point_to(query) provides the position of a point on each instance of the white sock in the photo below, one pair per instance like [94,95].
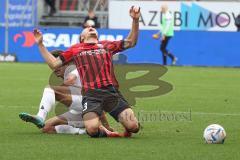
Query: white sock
[67,129]
[47,103]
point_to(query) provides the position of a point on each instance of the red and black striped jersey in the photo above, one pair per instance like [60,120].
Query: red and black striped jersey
[94,63]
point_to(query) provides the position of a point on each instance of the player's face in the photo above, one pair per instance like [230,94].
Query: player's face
[60,71]
[89,32]
[164,8]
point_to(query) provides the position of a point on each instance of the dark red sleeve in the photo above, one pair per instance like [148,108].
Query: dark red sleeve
[114,46]
[67,56]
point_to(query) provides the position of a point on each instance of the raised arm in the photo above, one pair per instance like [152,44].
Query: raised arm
[52,62]
[131,40]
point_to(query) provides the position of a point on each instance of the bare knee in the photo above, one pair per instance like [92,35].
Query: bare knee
[129,121]
[133,127]
[92,123]
[48,129]
[92,130]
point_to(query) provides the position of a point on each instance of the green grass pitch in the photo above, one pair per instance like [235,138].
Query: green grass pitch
[211,94]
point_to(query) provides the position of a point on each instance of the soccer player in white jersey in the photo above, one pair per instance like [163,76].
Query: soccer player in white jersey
[68,94]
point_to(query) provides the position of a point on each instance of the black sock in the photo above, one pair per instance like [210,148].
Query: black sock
[102,133]
[171,56]
[98,134]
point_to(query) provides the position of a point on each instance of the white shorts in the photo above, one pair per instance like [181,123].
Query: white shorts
[74,115]
[76,103]
[73,118]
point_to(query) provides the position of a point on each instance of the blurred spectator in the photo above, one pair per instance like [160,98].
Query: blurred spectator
[166,32]
[91,20]
[51,4]
[237,23]
[69,5]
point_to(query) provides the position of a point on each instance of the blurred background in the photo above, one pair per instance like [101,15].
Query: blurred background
[206,31]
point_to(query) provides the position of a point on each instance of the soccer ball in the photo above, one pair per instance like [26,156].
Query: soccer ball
[214,134]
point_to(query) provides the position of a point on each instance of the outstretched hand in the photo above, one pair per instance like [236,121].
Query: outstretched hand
[38,36]
[135,12]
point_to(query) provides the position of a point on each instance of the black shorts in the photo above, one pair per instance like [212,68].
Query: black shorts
[108,99]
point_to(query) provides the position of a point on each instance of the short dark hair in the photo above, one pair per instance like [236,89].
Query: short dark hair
[56,53]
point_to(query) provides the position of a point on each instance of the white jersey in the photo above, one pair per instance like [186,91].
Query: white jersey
[75,89]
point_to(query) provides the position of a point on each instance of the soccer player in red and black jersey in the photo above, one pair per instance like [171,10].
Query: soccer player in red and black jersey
[93,60]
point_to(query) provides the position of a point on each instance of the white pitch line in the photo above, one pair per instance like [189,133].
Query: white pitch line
[217,114]
[3,106]
[202,113]
[193,113]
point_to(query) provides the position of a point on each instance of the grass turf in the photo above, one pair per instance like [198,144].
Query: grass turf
[211,94]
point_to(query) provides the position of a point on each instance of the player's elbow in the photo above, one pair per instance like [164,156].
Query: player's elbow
[54,65]
[130,43]
[134,43]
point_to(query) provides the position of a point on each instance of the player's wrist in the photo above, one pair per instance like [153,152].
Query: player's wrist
[136,20]
[105,124]
[40,44]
